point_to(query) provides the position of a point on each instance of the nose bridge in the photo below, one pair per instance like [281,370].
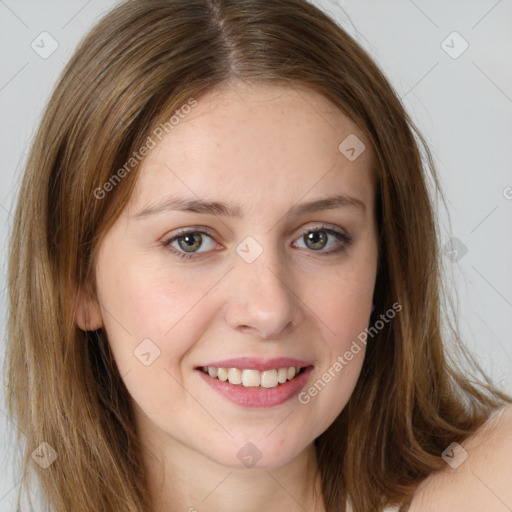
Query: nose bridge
[260,297]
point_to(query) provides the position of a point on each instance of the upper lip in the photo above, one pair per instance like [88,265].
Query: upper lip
[254,363]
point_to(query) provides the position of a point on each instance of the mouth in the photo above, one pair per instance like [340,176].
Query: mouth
[250,382]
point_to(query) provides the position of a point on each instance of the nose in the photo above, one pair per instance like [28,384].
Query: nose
[261,299]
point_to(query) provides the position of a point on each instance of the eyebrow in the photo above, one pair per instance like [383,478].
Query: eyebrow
[220,208]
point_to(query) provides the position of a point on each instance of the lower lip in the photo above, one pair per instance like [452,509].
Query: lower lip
[258,396]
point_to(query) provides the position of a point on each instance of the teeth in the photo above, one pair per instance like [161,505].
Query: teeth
[253,378]
[269,379]
[235,376]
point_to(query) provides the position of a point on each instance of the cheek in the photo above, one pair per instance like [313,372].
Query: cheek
[141,304]
[344,315]
[152,322]
[343,304]
[342,301]
[330,391]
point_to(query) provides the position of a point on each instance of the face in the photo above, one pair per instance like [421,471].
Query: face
[264,279]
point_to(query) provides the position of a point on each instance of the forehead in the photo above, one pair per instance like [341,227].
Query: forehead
[257,142]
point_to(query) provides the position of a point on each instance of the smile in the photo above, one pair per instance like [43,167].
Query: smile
[251,378]
[249,387]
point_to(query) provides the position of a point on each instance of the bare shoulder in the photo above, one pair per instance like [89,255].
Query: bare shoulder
[478,475]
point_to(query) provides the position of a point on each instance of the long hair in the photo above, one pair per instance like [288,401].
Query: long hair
[140,63]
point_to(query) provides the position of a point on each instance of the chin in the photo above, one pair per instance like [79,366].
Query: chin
[255,455]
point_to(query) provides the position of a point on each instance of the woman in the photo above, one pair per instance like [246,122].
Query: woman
[224,279]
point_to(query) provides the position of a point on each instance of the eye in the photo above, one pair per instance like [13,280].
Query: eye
[317,239]
[187,243]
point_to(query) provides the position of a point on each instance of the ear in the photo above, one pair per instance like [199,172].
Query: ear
[87,311]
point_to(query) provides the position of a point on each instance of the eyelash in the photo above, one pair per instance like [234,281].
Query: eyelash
[343,237]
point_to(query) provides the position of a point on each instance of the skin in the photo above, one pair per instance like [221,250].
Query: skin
[483,481]
[266,148]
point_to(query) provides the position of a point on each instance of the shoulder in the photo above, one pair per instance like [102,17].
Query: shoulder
[478,475]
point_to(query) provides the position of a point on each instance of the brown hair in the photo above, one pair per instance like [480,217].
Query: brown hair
[137,65]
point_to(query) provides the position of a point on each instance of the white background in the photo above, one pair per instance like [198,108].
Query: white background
[462,105]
